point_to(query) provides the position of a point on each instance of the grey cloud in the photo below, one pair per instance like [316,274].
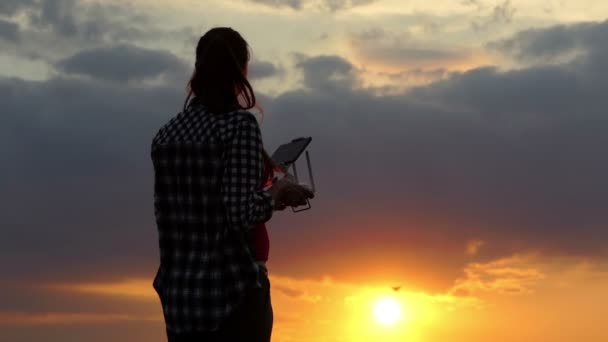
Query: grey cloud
[57,14]
[329,5]
[54,28]
[326,72]
[123,63]
[337,5]
[262,69]
[295,4]
[9,30]
[75,180]
[504,13]
[501,14]
[549,43]
[515,159]
[10,7]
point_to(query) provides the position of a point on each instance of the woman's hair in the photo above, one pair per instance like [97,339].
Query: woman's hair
[219,75]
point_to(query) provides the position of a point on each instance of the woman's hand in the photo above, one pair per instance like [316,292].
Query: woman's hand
[286,192]
[296,195]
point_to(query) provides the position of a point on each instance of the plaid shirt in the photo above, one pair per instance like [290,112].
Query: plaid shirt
[208,175]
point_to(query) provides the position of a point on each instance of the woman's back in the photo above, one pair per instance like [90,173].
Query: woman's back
[204,162]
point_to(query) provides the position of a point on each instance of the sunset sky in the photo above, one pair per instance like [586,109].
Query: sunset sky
[459,150]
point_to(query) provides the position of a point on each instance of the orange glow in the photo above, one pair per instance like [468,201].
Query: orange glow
[134,288]
[54,318]
[489,299]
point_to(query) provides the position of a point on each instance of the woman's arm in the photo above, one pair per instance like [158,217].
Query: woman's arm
[246,203]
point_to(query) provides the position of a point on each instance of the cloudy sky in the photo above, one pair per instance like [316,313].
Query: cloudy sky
[458,147]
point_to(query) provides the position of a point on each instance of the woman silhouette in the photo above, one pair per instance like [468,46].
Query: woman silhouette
[210,172]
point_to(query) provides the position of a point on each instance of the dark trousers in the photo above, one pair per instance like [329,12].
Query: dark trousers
[250,322]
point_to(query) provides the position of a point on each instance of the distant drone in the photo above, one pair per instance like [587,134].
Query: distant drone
[396,288]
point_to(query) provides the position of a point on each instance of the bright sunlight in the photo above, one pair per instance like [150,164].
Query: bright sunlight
[387,311]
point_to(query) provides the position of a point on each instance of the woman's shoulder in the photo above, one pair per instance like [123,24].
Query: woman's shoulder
[241,116]
[168,128]
[239,120]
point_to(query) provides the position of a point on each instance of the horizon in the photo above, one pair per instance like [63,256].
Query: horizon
[458,151]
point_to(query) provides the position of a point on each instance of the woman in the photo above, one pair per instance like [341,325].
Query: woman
[210,204]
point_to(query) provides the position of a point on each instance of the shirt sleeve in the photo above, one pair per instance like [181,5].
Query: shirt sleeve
[246,203]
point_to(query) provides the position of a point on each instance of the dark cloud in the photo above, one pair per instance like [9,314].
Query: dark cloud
[504,12]
[76,179]
[326,72]
[548,124]
[123,63]
[54,29]
[330,5]
[58,15]
[9,30]
[55,15]
[550,43]
[295,4]
[515,159]
[10,7]
[262,69]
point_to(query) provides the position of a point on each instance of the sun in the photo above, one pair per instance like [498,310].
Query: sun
[387,311]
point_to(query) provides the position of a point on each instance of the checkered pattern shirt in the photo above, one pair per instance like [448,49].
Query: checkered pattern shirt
[208,170]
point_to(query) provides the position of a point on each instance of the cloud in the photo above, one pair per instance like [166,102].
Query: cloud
[295,4]
[9,30]
[50,318]
[337,5]
[11,7]
[300,290]
[129,289]
[94,153]
[123,63]
[57,15]
[548,44]
[326,72]
[51,30]
[289,292]
[399,82]
[514,275]
[501,14]
[380,48]
[328,5]
[473,247]
[37,304]
[262,69]
[511,158]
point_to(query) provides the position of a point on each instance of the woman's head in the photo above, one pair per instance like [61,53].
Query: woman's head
[220,74]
